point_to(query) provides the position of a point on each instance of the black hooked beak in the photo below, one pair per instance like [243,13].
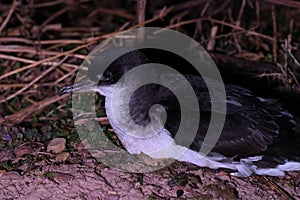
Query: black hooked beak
[84,85]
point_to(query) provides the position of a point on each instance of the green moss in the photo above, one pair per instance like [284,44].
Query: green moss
[49,175]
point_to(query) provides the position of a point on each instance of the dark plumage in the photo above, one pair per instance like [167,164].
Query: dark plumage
[253,126]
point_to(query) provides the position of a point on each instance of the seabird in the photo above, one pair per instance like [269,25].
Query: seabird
[259,136]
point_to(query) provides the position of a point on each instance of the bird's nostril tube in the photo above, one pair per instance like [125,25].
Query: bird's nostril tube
[65,90]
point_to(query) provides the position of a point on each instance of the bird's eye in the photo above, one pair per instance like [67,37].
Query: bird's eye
[107,74]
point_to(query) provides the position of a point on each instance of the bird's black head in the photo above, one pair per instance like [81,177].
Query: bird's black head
[117,68]
[104,70]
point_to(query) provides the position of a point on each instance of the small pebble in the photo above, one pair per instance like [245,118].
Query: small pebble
[179,193]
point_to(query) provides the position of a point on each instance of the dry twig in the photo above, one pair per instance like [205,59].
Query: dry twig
[12,9]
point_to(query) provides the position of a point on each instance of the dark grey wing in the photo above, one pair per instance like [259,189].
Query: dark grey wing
[251,123]
[140,103]
[249,127]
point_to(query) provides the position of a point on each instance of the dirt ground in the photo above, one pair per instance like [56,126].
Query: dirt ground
[92,181]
